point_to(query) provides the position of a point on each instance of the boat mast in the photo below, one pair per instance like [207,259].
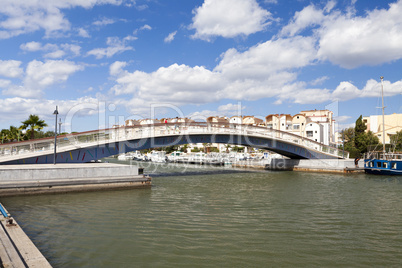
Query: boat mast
[383,121]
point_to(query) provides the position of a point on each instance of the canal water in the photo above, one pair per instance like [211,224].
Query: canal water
[215,217]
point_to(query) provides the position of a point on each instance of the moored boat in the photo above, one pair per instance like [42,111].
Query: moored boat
[383,163]
[379,163]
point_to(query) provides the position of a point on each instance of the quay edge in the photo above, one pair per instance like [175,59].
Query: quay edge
[62,178]
[16,249]
[307,165]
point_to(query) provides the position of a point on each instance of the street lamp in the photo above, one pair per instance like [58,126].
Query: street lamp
[56,112]
[60,126]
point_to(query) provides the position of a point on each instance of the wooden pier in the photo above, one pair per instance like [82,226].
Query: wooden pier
[16,249]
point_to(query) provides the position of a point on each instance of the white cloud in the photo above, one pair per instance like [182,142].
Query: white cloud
[16,109]
[115,46]
[176,84]
[4,83]
[146,27]
[268,57]
[348,40]
[116,68]
[52,50]
[103,22]
[83,33]
[20,16]
[170,37]
[319,80]
[40,75]
[354,41]
[229,109]
[31,46]
[10,68]
[309,16]
[228,18]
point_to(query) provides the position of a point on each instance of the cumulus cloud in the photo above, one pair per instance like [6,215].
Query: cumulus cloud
[53,51]
[16,109]
[10,68]
[20,16]
[268,57]
[370,40]
[43,74]
[176,84]
[103,22]
[170,37]
[116,68]
[348,40]
[83,33]
[309,16]
[228,18]
[115,46]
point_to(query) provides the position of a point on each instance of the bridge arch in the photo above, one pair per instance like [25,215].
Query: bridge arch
[79,148]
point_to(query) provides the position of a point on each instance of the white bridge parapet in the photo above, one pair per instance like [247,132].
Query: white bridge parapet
[69,142]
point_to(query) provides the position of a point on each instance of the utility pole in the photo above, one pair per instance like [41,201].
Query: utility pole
[56,112]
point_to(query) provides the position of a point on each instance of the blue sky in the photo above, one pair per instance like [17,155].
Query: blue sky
[104,61]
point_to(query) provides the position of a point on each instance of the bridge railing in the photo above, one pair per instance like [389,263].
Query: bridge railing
[123,134]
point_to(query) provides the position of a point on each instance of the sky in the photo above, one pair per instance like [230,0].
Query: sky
[104,61]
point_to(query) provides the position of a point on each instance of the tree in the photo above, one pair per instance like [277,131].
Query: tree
[397,140]
[33,123]
[4,135]
[357,140]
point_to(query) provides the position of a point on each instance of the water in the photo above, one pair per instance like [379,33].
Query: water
[240,219]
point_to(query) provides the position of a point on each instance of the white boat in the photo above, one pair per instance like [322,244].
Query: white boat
[157,156]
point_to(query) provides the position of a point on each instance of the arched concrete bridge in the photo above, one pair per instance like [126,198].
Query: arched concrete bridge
[93,145]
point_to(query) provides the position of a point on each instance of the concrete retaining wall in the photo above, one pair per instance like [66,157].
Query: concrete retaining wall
[322,165]
[20,173]
[62,178]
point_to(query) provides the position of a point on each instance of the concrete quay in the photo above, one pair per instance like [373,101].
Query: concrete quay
[309,165]
[62,178]
[16,249]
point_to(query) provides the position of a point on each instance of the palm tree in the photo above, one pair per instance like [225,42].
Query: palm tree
[13,134]
[33,122]
[4,135]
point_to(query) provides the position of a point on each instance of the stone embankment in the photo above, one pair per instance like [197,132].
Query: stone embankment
[61,178]
[311,165]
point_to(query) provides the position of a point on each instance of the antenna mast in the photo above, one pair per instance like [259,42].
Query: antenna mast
[383,121]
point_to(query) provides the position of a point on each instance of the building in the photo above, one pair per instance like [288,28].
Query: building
[317,125]
[393,124]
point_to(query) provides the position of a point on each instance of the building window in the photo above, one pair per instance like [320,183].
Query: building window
[309,134]
[269,125]
[316,131]
[315,139]
[311,125]
[296,127]
[283,124]
[297,117]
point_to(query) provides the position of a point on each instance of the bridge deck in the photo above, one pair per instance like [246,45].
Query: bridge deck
[92,145]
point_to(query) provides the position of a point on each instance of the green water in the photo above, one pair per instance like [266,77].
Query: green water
[252,219]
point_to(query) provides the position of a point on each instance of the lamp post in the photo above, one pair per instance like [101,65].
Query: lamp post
[56,112]
[60,126]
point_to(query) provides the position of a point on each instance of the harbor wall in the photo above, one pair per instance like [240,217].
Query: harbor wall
[48,178]
[314,165]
